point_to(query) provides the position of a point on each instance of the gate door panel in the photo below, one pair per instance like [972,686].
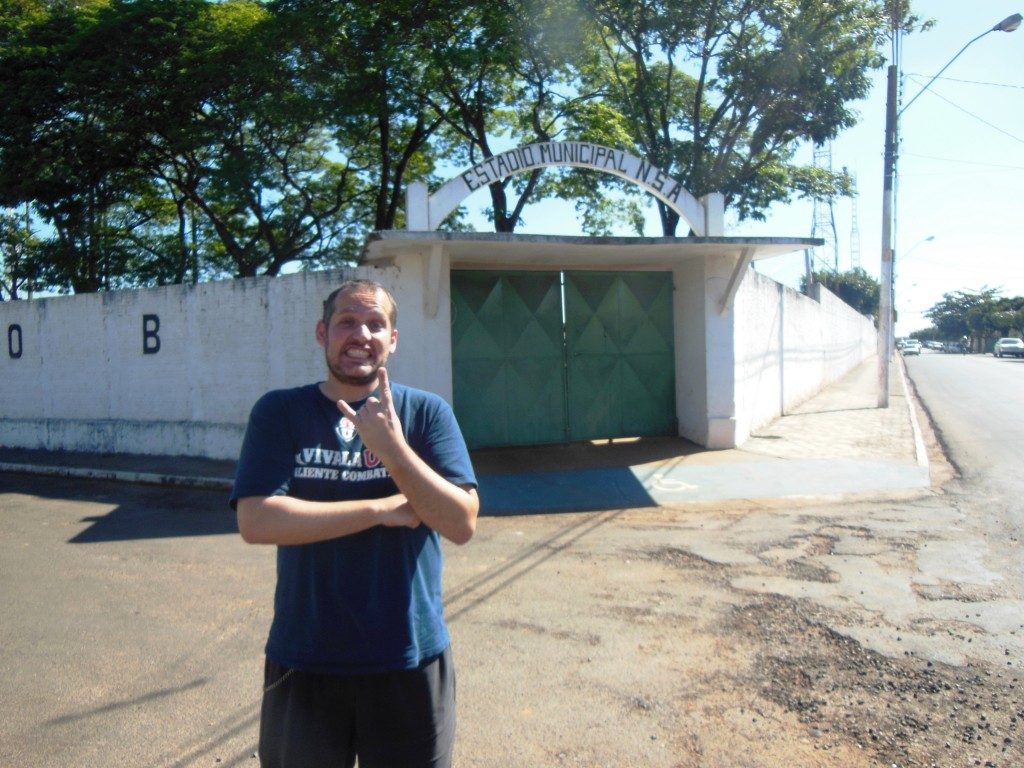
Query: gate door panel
[619,344]
[508,358]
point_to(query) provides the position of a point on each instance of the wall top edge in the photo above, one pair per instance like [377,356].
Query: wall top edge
[521,249]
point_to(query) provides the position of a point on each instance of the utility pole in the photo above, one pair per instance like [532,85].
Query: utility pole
[885,283]
[892,115]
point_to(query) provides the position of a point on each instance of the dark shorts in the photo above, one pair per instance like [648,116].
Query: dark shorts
[400,719]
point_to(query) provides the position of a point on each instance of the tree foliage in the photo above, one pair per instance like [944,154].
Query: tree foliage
[856,287]
[981,316]
[160,142]
[718,93]
[19,256]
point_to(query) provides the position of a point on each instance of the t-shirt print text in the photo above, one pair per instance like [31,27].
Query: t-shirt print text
[326,464]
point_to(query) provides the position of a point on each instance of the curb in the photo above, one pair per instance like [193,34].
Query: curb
[141,478]
[919,447]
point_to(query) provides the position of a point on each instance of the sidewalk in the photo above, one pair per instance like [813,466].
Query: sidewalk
[838,442]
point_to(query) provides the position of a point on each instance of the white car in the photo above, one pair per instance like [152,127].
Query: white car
[911,347]
[1012,347]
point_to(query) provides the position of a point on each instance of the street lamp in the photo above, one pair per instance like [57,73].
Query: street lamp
[910,250]
[906,256]
[922,241]
[892,115]
[1009,24]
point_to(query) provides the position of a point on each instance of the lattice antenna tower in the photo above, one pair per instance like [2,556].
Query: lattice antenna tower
[824,223]
[854,226]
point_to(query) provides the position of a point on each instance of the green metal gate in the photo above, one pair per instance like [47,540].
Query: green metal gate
[620,354]
[523,376]
[508,358]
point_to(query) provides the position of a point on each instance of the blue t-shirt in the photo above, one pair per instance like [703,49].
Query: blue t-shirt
[369,602]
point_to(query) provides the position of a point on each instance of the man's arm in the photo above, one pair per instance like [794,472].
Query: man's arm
[449,509]
[288,520]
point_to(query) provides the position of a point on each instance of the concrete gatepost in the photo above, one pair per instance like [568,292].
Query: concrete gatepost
[424,338]
[720,340]
[714,214]
[417,207]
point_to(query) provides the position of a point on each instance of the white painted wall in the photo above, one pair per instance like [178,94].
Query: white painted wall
[790,346]
[83,382]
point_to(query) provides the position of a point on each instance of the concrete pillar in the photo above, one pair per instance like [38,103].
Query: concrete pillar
[417,207]
[424,355]
[714,214]
[720,335]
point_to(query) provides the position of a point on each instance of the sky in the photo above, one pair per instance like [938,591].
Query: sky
[960,185]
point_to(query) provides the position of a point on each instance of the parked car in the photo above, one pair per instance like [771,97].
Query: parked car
[911,347]
[1007,346]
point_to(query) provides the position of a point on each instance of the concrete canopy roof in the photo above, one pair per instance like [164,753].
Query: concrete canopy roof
[504,250]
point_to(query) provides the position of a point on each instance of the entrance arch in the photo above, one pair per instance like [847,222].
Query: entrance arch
[426,212]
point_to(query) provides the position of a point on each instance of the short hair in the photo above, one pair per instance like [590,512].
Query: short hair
[361,283]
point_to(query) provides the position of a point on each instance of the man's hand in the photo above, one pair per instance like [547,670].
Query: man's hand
[399,515]
[377,422]
[449,509]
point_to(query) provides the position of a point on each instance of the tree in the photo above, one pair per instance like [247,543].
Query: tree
[855,286]
[165,142]
[19,248]
[981,316]
[926,334]
[371,68]
[63,143]
[951,316]
[992,319]
[718,93]
[240,150]
[512,80]
[168,141]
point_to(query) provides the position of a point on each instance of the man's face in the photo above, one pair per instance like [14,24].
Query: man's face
[358,338]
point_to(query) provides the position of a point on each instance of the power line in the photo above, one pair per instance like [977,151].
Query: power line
[968,82]
[965,162]
[976,117]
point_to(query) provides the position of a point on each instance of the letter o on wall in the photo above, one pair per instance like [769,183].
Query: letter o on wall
[14,347]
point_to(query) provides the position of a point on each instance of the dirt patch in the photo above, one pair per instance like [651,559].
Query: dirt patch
[681,558]
[634,644]
[948,590]
[907,712]
[805,570]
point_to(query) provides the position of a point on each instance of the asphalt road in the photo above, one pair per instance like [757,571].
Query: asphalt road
[133,626]
[825,635]
[976,403]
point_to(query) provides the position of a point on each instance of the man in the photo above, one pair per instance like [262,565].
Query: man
[354,478]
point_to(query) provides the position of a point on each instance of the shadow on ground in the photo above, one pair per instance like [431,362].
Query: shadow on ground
[137,511]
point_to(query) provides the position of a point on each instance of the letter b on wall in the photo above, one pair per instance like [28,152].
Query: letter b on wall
[150,338]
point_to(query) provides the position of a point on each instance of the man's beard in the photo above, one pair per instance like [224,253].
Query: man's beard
[352,381]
